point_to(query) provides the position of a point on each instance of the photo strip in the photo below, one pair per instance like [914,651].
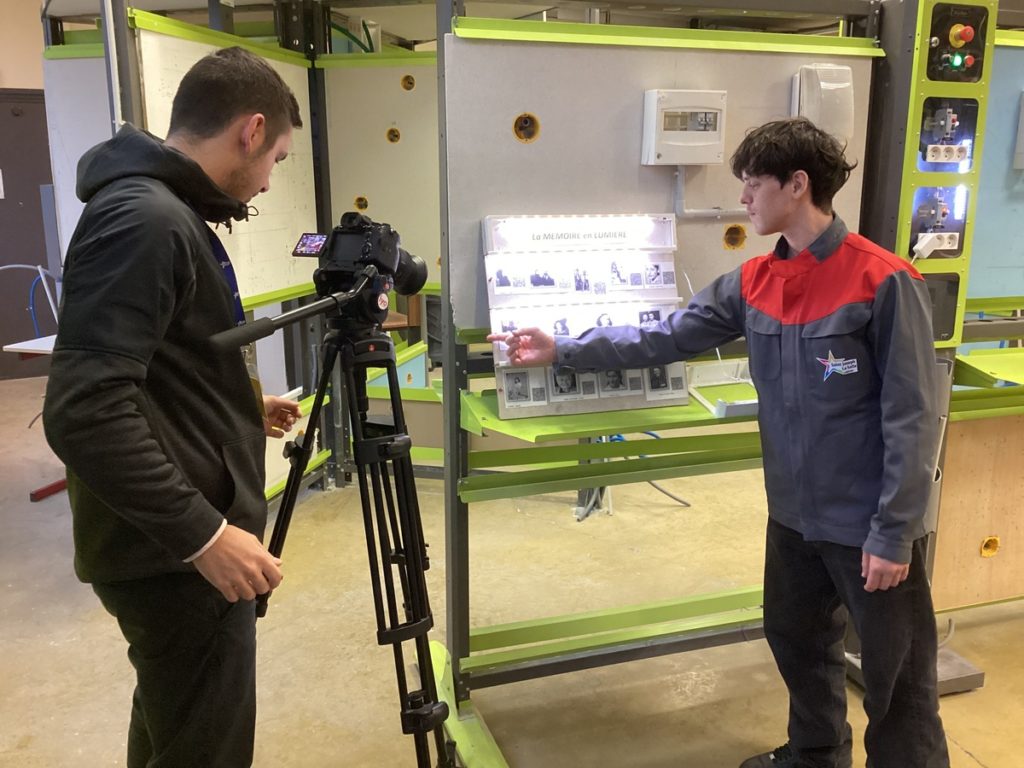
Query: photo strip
[665,382]
[522,387]
[579,276]
[619,382]
[569,385]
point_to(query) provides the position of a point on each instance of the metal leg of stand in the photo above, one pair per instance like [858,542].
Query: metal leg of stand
[395,545]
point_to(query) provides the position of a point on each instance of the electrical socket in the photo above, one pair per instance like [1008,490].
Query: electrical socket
[945,153]
[936,241]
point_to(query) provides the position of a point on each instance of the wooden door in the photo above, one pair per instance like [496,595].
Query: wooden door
[24,167]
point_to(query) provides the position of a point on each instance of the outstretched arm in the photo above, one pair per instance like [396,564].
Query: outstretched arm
[527,346]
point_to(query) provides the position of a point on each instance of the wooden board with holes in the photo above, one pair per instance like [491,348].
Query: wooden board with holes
[980,509]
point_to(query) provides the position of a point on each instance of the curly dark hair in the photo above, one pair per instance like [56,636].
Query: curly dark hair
[228,83]
[782,147]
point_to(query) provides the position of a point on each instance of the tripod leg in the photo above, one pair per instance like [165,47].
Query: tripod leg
[301,449]
[395,542]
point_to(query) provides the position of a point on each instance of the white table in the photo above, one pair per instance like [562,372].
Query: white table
[32,347]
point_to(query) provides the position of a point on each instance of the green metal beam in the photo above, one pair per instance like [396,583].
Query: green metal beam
[592,622]
[507,485]
[662,37]
[993,304]
[174,28]
[708,445]
[492,662]
[277,296]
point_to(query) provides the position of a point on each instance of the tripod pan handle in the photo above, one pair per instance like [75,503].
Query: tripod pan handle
[233,338]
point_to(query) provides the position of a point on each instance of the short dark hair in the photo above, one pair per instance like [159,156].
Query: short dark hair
[782,147]
[226,84]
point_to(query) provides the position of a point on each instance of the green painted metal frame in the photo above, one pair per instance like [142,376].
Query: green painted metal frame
[370,60]
[314,463]
[75,51]
[498,660]
[996,304]
[474,743]
[277,296]
[480,415]
[913,179]
[971,404]
[661,37]
[698,445]
[180,29]
[595,622]
[1011,37]
[550,464]
[990,367]
[570,478]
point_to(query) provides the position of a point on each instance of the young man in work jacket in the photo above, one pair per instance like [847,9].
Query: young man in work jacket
[840,344]
[161,434]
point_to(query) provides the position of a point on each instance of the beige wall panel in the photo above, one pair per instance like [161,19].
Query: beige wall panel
[982,494]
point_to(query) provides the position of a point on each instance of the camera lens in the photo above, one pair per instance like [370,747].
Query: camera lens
[410,274]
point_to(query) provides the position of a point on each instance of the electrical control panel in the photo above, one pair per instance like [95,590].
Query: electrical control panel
[939,222]
[950,77]
[948,128]
[683,127]
[957,43]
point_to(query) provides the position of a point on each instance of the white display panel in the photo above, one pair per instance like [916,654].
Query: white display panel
[583,272]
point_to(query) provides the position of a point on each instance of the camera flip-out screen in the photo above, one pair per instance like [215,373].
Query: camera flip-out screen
[310,244]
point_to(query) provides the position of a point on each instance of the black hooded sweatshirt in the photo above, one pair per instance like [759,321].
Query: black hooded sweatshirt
[161,435]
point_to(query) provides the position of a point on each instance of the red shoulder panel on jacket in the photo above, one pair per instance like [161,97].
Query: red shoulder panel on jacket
[796,296]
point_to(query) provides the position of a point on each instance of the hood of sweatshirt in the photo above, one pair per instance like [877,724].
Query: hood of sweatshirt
[136,153]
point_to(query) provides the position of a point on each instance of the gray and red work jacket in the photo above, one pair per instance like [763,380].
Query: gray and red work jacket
[841,354]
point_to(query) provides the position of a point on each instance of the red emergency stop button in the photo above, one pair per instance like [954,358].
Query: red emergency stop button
[960,35]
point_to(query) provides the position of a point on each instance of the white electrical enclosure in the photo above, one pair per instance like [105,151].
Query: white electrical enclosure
[683,127]
[823,93]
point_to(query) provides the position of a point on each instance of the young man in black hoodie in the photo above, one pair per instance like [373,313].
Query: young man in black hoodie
[163,437]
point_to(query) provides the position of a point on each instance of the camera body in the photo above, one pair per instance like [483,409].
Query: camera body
[349,250]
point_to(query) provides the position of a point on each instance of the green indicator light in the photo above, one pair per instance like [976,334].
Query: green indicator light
[958,60]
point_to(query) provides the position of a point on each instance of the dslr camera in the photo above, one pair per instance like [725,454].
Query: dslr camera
[359,247]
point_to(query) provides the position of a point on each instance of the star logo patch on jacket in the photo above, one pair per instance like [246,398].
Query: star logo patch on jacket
[841,365]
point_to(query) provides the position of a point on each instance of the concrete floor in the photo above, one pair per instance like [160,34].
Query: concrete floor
[327,691]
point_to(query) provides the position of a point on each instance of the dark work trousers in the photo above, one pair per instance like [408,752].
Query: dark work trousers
[806,586]
[194,655]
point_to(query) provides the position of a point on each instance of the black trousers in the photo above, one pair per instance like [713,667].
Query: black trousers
[194,655]
[810,588]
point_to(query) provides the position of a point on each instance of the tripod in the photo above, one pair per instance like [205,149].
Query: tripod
[391,516]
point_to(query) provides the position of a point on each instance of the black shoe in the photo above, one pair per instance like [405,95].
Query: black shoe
[785,757]
[782,757]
